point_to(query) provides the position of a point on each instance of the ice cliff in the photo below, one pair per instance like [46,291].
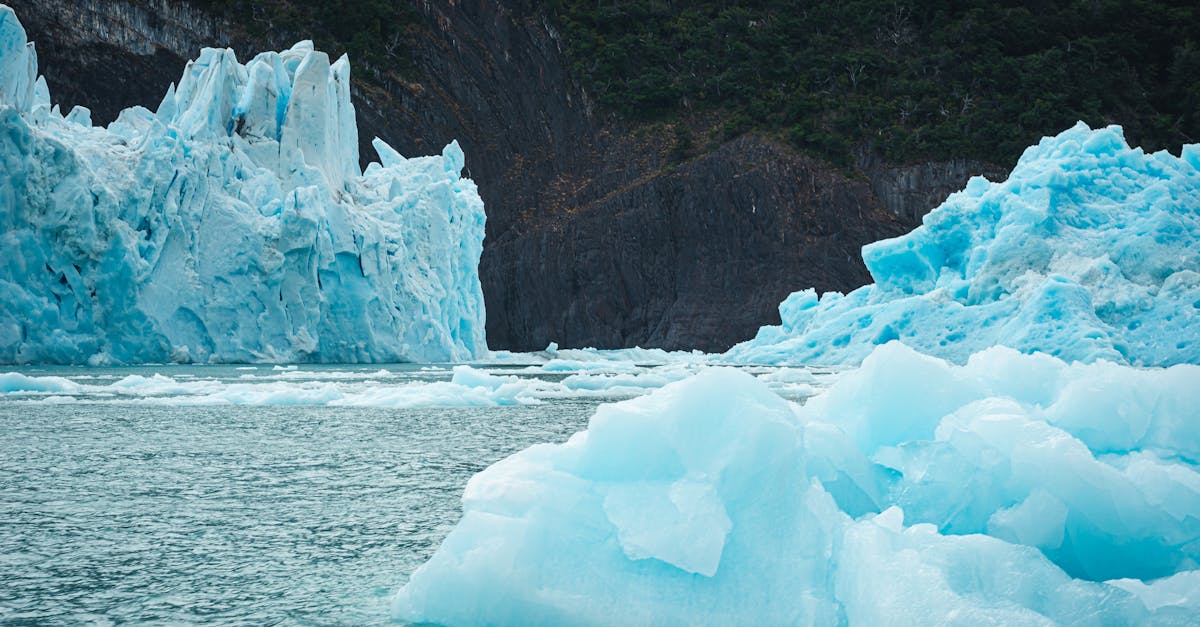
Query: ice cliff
[232,224]
[1089,250]
[1015,490]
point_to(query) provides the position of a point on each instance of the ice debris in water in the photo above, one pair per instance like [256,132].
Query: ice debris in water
[569,359]
[1090,250]
[233,224]
[1014,489]
[462,386]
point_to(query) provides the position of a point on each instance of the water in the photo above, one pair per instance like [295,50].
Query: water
[260,495]
[115,509]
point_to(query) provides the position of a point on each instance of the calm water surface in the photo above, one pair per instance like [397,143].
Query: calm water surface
[123,511]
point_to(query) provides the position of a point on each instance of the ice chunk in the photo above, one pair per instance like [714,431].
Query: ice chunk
[232,225]
[15,382]
[1091,463]
[1090,250]
[912,492]
[655,515]
[891,575]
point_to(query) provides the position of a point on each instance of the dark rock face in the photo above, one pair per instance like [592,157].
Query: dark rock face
[697,257]
[109,55]
[596,234]
[911,191]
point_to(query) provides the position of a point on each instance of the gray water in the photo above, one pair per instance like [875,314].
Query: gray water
[122,511]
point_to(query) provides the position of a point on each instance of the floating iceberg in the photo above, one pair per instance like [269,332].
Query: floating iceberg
[1090,250]
[1015,489]
[232,225]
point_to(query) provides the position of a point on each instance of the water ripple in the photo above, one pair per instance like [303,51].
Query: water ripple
[115,513]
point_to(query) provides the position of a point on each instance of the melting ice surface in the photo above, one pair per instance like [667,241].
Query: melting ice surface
[231,225]
[1090,250]
[1014,489]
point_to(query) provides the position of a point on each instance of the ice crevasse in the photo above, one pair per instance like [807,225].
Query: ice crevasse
[1089,250]
[231,225]
[1015,489]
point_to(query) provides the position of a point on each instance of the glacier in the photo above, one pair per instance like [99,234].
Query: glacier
[1012,489]
[232,224]
[1089,250]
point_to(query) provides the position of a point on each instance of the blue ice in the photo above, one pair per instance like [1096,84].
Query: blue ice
[1089,250]
[1015,489]
[230,225]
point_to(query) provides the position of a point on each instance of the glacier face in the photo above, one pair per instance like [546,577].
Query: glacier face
[231,225]
[1090,250]
[1015,489]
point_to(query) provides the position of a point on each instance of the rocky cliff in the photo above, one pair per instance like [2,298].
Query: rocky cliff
[598,233]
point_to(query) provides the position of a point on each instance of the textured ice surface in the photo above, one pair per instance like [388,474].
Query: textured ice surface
[233,224]
[1090,250]
[1093,464]
[1014,489]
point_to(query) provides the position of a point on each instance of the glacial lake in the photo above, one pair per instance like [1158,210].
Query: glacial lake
[252,495]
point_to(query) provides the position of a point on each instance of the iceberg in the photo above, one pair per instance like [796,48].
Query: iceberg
[231,225]
[1089,250]
[1012,489]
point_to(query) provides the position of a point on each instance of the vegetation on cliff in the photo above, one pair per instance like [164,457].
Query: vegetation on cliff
[930,80]
[375,33]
